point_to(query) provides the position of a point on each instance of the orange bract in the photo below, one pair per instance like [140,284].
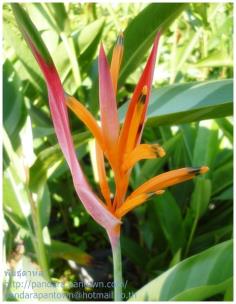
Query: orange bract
[122,147]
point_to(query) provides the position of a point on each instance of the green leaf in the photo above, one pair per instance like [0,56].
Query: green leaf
[29,31]
[226,127]
[59,15]
[88,34]
[225,195]
[189,136]
[15,202]
[201,196]
[204,155]
[194,279]
[229,294]
[14,111]
[48,160]
[58,249]
[90,46]
[44,205]
[133,251]
[28,67]
[156,16]
[15,197]
[219,183]
[171,220]
[40,13]
[181,103]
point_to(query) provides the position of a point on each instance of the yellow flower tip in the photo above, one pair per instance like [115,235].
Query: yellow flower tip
[158,150]
[204,169]
[145,90]
[198,171]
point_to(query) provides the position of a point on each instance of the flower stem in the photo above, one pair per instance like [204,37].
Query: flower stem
[114,237]
[39,246]
[42,255]
[117,271]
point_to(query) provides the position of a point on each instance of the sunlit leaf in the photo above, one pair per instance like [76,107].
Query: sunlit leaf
[181,103]
[196,278]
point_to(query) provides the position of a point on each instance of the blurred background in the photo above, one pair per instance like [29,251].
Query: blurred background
[190,115]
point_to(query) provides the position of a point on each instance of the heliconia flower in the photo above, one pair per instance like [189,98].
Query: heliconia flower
[119,145]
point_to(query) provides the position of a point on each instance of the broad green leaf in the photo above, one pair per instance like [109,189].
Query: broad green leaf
[59,15]
[226,127]
[58,249]
[88,34]
[133,251]
[40,132]
[44,206]
[29,69]
[39,117]
[15,197]
[209,238]
[156,16]
[48,160]
[40,14]
[219,182]
[28,28]
[14,201]
[170,218]
[194,279]
[229,294]
[204,155]
[189,136]
[86,58]
[181,103]
[14,112]
[225,195]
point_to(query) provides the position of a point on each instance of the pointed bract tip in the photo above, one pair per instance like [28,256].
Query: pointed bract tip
[204,169]
[160,152]
[199,170]
[145,90]
[159,192]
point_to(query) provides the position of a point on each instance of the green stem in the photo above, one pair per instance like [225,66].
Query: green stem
[117,270]
[40,247]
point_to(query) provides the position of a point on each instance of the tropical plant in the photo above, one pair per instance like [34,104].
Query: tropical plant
[186,228]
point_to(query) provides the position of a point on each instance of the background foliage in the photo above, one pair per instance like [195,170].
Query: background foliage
[189,114]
